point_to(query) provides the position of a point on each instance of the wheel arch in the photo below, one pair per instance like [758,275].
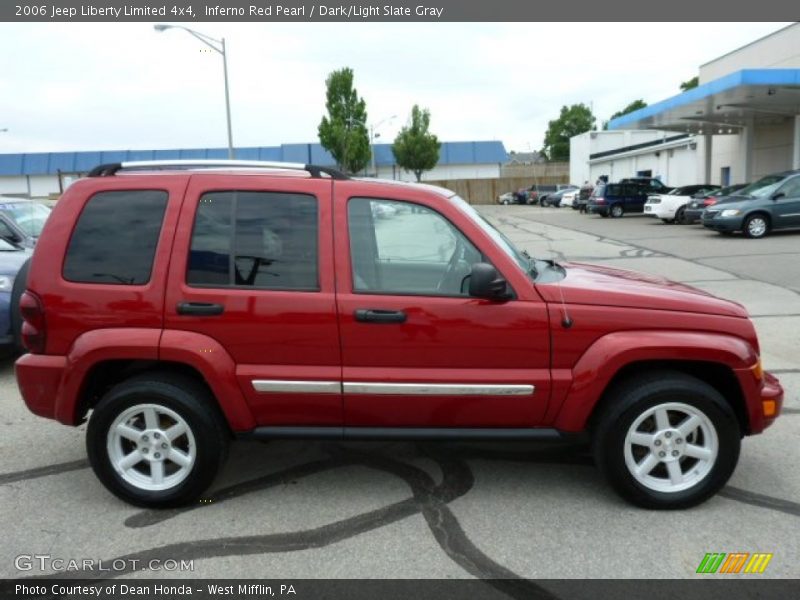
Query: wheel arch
[719,376]
[712,358]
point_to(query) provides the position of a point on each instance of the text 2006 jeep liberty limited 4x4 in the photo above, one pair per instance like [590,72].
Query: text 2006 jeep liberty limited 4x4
[185,304]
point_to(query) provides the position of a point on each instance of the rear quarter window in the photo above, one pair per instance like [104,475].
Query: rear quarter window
[115,238]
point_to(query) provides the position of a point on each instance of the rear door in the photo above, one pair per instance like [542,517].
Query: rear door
[417,350]
[252,268]
[635,197]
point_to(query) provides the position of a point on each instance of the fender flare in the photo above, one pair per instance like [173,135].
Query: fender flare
[200,352]
[609,354]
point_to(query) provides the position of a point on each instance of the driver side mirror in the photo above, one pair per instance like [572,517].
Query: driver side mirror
[778,196]
[485,282]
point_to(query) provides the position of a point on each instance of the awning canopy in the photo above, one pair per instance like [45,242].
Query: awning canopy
[724,105]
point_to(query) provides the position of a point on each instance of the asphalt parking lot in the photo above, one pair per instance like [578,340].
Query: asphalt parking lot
[402,510]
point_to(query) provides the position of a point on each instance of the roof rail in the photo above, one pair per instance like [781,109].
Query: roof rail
[108,169]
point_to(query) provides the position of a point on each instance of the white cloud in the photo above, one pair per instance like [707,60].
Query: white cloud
[77,86]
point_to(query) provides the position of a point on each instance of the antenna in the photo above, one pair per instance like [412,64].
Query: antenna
[566,321]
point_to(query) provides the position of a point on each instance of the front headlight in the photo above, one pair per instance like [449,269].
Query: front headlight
[6,283]
[731,212]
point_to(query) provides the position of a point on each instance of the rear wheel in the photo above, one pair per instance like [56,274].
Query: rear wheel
[756,226]
[157,440]
[617,211]
[667,441]
[680,216]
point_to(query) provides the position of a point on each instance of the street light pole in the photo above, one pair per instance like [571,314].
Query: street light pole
[219,47]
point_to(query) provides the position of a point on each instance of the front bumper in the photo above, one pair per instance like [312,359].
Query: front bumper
[718,223]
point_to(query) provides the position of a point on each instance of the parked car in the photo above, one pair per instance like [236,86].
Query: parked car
[313,318]
[616,199]
[772,202]
[22,220]
[555,198]
[569,197]
[670,207]
[699,202]
[521,196]
[582,201]
[650,184]
[12,259]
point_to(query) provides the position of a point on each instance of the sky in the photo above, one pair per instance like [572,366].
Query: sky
[116,86]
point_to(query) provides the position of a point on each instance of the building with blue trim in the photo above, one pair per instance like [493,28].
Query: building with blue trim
[42,174]
[741,122]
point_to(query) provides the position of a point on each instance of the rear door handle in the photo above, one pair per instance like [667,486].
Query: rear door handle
[371,315]
[200,309]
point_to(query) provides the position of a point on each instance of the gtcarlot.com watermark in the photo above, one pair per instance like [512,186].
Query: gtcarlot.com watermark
[46,562]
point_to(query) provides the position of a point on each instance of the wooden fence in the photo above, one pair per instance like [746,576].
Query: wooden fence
[486,191]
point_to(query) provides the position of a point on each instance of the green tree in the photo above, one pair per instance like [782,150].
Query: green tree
[573,120]
[343,132]
[688,85]
[415,148]
[635,105]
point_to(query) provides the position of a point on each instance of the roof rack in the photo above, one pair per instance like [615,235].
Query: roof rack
[108,169]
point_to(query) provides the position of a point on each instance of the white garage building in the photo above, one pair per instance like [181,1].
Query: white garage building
[740,123]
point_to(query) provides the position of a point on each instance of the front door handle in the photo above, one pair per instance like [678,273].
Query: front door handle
[372,315]
[200,309]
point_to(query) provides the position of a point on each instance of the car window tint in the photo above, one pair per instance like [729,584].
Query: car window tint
[403,248]
[115,238]
[263,240]
[791,188]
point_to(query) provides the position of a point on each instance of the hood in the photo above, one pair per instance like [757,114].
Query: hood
[605,286]
[12,260]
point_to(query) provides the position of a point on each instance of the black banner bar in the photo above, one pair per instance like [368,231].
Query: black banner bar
[402,11]
[704,587]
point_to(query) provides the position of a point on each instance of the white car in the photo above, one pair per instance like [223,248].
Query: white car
[670,207]
[569,198]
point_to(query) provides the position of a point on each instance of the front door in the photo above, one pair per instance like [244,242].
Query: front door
[252,268]
[787,206]
[417,350]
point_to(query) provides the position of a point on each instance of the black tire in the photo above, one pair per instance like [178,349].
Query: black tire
[20,284]
[632,398]
[680,217]
[756,226]
[193,403]
[616,211]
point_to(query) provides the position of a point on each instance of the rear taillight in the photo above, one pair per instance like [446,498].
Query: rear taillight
[599,200]
[34,331]
[709,201]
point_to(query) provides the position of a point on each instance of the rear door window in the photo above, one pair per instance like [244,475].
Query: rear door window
[264,240]
[115,238]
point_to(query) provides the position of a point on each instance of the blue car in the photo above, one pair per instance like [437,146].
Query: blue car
[11,260]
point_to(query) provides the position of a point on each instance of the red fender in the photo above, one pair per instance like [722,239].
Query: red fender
[606,356]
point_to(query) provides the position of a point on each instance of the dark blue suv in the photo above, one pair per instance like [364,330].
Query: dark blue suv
[616,199]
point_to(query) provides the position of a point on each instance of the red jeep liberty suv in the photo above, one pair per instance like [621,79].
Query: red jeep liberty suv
[186,303]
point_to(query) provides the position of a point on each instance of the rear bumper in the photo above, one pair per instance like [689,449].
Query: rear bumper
[39,378]
[692,215]
[596,209]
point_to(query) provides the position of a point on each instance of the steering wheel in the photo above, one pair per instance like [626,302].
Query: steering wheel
[452,264]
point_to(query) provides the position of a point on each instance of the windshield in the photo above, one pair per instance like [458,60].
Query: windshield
[522,259]
[763,187]
[29,216]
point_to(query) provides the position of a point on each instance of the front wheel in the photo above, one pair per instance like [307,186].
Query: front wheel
[667,440]
[157,440]
[756,226]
